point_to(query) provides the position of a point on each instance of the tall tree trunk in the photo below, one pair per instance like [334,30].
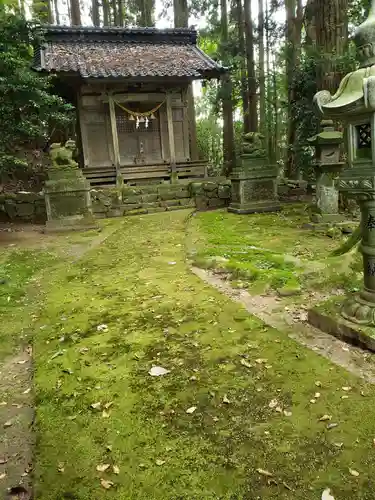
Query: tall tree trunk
[293,39]
[105,12]
[181,13]
[147,12]
[228,131]
[271,142]
[275,103]
[114,13]
[21,5]
[262,82]
[251,81]
[120,12]
[95,13]
[242,55]
[331,38]
[42,10]
[57,13]
[75,13]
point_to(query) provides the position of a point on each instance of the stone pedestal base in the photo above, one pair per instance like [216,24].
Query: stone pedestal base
[328,318]
[359,310]
[68,201]
[255,207]
[254,187]
[327,218]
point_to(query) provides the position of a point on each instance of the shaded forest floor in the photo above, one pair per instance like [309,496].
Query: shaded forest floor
[232,418]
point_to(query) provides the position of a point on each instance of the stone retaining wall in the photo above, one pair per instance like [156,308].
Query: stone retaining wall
[22,207]
[112,202]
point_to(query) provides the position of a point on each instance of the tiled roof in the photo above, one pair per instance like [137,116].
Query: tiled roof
[124,53]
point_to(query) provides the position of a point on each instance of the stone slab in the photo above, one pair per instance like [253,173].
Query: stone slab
[326,316]
[251,208]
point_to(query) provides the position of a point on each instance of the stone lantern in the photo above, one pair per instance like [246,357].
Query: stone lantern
[254,180]
[354,105]
[327,168]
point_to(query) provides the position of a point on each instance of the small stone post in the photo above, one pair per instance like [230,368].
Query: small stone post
[254,180]
[327,168]
[67,192]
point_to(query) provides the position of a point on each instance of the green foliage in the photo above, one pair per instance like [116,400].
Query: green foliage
[209,134]
[28,109]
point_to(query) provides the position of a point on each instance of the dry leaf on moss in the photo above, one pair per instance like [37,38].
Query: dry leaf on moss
[102,467]
[116,469]
[106,484]
[326,495]
[264,472]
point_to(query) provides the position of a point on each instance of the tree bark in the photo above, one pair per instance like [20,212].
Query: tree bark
[75,13]
[228,131]
[331,38]
[95,13]
[146,14]
[105,12]
[270,119]
[57,13]
[262,82]
[251,81]
[294,18]
[242,55]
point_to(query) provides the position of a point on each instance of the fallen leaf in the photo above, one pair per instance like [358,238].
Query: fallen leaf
[347,389]
[157,371]
[102,328]
[317,395]
[312,401]
[172,263]
[261,361]
[345,396]
[3,475]
[318,384]
[27,391]
[246,363]
[106,484]
[193,378]
[96,406]
[60,467]
[273,403]
[226,400]
[263,472]
[324,418]
[108,405]
[9,423]
[109,447]
[116,469]
[287,413]
[332,426]
[326,495]
[102,467]
[22,362]
[286,486]
[105,414]
[354,472]
[160,462]
[278,409]
[3,403]
[3,460]
[338,445]
[191,409]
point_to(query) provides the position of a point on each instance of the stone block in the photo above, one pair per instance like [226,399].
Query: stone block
[196,188]
[26,197]
[209,186]
[151,205]
[140,211]
[132,206]
[25,210]
[224,191]
[156,210]
[149,198]
[172,203]
[216,203]
[10,209]
[128,200]
[201,202]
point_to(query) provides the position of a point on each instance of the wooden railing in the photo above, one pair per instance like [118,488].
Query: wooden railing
[141,174]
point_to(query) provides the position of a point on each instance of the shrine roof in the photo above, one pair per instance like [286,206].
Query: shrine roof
[124,53]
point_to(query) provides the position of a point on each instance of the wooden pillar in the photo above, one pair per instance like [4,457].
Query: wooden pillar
[116,151]
[84,142]
[172,152]
[192,124]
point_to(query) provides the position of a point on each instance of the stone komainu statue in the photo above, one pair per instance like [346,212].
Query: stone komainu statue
[253,144]
[62,156]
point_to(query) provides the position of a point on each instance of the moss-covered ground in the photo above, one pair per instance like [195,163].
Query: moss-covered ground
[101,322]
[272,251]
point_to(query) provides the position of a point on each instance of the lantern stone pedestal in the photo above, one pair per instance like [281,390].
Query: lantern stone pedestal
[354,104]
[254,186]
[67,193]
[327,169]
